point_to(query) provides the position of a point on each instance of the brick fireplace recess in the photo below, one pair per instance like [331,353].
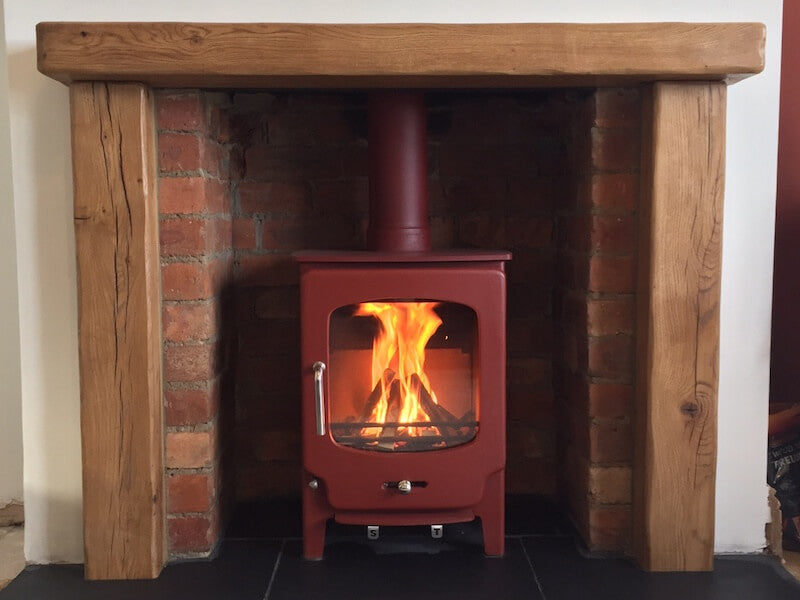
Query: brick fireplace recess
[593,152]
[311,198]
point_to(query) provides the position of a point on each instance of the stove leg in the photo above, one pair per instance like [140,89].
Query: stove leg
[316,513]
[491,510]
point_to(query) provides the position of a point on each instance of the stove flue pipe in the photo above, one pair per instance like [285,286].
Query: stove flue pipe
[398,173]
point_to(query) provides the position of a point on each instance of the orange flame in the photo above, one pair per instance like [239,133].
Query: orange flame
[406,328]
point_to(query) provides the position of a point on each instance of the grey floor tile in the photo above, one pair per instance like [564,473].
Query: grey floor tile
[241,571]
[565,574]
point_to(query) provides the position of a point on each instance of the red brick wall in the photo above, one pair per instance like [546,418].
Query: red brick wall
[196,262]
[595,316]
[246,179]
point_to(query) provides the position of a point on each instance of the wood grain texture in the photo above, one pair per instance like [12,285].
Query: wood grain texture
[678,327]
[398,55]
[116,229]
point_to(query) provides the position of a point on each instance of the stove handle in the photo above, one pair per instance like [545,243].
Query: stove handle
[319,396]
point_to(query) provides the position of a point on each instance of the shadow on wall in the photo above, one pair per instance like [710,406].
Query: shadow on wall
[10,399]
[41,159]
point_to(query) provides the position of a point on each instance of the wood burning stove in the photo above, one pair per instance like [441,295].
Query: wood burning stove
[403,353]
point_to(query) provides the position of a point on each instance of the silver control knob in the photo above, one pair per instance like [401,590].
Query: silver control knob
[313,484]
[404,487]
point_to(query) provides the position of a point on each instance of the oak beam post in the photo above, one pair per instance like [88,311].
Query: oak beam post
[678,326]
[116,231]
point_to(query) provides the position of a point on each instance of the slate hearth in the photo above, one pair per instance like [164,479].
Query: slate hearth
[261,559]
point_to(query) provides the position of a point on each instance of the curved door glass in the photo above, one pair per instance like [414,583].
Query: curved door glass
[402,375]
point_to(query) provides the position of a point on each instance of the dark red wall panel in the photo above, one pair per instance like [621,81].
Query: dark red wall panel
[786,299]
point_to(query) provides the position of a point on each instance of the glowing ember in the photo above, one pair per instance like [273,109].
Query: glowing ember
[398,351]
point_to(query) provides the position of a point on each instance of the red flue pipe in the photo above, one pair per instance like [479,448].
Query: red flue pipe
[398,173]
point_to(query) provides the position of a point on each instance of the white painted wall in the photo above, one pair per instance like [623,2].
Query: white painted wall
[41,156]
[10,393]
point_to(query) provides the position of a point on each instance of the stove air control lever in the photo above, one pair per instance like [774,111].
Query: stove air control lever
[319,396]
[404,486]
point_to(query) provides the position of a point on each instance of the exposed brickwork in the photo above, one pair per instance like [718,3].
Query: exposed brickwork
[191,405]
[182,113]
[190,449]
[609,527]
[613,191]
[193,237]
[610,485]
[609,400]
[196,362]
[193,535]
[611,274]
[615,107]
[190,321]
[196,253]
[596,317]
[199,279]
[192,493]
[191,195]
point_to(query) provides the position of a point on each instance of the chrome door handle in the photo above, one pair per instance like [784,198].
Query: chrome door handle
[319,396]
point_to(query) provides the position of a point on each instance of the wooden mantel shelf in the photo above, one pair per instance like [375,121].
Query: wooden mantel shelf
[398,55]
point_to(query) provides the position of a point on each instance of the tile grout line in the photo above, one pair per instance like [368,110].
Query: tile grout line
[274,570]
[520,536]
[274,538]
[533,571]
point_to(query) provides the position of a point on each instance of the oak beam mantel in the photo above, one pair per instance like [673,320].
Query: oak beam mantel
[681,67]
[291,55]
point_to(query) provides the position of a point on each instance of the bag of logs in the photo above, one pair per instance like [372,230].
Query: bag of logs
[783,469]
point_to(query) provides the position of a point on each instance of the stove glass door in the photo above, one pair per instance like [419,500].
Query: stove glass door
[402,375]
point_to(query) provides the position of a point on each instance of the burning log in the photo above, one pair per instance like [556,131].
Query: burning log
[392,414]
[440,416]
[436,412]
[349,431]
[467,424]
[468,418]
[375,396]
[391,434]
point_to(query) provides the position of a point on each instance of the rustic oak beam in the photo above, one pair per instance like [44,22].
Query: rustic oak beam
[398,55]
[116,231]
[678,327]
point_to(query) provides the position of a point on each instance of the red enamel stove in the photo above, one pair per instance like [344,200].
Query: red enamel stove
[403,352]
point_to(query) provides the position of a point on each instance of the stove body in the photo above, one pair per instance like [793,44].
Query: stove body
[403,360]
